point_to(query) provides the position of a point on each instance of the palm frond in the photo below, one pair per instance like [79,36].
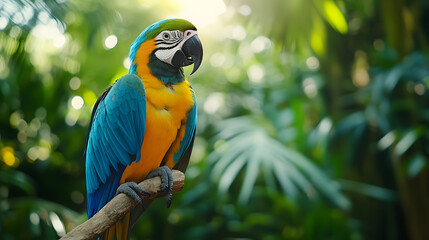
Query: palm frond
[250,149]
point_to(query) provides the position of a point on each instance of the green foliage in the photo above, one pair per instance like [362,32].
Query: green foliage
[312,117]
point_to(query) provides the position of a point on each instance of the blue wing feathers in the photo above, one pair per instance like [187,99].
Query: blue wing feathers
[103,194]
[95,163]
[111,135]
[116,133]
[115,137]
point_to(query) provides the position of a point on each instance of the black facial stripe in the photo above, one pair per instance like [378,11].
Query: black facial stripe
[162,48]
[175,43]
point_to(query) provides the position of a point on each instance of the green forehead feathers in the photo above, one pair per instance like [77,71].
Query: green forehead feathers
[168,24]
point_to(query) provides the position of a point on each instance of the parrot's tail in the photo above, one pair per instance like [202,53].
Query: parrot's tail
[119,231]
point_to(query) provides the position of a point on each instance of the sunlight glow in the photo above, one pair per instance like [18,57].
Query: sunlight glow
[34,218]
[32,153]
[244,10]
[27,14]
[419,89]
[8,156]
[201,12]
[127,63]
[110,42]
[312,63]
[59,41]
[18,18]
[3,22]
[318,38]
[256,73]
[50,31]
[335,17]
[214,102]
[57,224]
[37,152]
[77,102]
[21,136]
[217,59]
[360,77]
[260,44]
[237,33]
[310,87]
[71,118]
[14,119]
[74,83]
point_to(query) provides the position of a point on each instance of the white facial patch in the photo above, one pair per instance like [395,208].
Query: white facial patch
[169,42]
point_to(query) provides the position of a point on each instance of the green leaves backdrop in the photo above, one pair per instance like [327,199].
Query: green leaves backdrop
[312,124]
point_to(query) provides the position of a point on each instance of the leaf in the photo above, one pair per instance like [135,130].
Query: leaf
[349,123]
[386,141]
[285,182]
[373,191]
[320,135]
[293,173]
[334,16]
[223,162]
[267,171]
[231,173]
[393,78]
[252,173]
[18,179]
[407,141]
[324,184]
[318,37]
[417,163]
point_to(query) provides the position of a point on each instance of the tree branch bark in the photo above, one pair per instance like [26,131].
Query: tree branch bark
[120,205]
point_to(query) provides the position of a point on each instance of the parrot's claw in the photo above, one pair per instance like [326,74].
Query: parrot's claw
[166,182]
[133,190]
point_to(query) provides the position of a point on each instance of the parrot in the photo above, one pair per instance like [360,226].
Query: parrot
[144,124]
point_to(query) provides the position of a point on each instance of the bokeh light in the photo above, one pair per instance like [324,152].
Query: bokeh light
[110,42]
[74,83]
[244,10]
[77,102]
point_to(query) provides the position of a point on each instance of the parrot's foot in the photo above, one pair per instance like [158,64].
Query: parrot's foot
[133,190]
[166,182]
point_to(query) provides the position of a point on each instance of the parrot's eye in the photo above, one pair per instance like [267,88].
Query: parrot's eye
[166,36]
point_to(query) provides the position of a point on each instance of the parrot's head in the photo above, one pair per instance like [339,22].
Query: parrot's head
[163,48]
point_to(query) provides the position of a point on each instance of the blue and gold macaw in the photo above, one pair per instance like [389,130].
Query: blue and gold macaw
[144,124]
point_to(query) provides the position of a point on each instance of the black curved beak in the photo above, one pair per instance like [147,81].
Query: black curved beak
[191,53]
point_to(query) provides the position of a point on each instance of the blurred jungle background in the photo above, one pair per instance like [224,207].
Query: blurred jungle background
[312,116]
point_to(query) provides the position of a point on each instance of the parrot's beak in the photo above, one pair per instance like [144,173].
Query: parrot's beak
[191,53]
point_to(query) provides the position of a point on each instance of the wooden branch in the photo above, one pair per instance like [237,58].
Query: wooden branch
[120,205]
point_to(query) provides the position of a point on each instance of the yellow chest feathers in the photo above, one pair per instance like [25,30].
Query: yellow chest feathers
[169,102]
